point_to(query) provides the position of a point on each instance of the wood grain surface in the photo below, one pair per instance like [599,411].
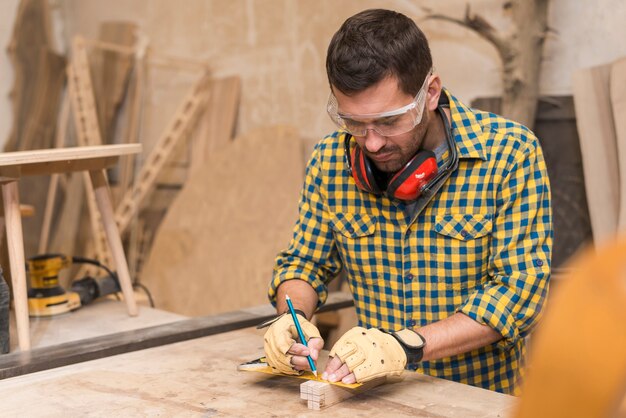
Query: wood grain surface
[200,378]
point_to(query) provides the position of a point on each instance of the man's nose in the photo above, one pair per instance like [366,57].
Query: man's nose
[373,141]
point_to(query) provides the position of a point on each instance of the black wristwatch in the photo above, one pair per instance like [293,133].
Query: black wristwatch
[413,344]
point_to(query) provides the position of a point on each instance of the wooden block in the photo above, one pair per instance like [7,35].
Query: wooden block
[320,394]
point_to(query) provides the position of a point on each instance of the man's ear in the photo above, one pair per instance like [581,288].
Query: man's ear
[434,91]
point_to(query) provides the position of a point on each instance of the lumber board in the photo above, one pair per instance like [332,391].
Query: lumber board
[110,72]
[42,102]
[618,104]
[80,88]
[45,157]
[598,145]
[181,124]
[45,358]
[38,77]
[218,123]
[59,142]
[132,128]
[220,236]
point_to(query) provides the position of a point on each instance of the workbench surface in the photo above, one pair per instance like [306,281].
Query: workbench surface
[200,378]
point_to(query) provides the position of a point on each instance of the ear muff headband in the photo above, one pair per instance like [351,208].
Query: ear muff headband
[364,172]
[405,185]
[419,175]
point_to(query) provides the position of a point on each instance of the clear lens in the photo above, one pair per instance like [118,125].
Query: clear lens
[386,126]
[391,123]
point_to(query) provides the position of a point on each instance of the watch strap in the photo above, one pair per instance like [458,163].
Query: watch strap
[276,318]
[413,344]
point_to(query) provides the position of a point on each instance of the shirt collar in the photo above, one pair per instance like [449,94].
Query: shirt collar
[467,130]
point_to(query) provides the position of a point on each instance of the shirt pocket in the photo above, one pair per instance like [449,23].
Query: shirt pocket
[464,240]
[355,236]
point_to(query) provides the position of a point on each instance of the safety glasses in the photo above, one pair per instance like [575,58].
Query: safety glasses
[390,123]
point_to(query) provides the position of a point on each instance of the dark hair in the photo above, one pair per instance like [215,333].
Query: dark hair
[375,44]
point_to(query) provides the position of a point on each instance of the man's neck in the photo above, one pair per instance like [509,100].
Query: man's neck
[436,132]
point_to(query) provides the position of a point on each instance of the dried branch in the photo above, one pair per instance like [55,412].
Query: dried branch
[520,52]
[482,27]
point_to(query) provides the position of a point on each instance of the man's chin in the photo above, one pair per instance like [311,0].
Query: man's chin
[388,167]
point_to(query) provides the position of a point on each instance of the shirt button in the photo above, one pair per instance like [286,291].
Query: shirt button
[411,323]
[350,230]
[409,278]
[464,233]
[539,263]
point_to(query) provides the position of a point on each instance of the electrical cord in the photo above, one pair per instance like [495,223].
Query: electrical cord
[146,291]
[85,260]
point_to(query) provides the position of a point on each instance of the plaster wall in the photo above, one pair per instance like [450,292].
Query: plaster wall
[278,47]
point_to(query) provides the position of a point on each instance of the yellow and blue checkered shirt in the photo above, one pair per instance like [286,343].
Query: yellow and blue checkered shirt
[482,246]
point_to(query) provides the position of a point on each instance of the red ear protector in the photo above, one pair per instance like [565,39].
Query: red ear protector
[416,177]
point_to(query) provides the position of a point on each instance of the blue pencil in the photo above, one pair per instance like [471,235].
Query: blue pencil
[300,333]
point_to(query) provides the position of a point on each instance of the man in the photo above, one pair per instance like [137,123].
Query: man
[439,214]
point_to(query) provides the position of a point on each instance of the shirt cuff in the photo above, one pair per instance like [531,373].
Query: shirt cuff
[491,307]
[298,273]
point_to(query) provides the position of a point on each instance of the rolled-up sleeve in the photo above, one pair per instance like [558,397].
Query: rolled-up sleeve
[512,300]
[312,255]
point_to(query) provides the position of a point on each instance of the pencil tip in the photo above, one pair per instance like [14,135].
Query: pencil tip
[315,373]
[287,297]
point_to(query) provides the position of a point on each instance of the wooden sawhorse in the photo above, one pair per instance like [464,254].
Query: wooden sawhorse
[95,160]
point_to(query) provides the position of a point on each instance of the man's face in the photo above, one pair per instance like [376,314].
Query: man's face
[388,153]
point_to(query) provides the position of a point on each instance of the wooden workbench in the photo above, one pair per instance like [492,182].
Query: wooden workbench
[199,378]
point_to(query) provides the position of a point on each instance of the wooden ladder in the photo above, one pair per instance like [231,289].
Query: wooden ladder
[88,133]
[180,125]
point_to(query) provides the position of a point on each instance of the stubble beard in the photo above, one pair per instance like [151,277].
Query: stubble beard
[403,156]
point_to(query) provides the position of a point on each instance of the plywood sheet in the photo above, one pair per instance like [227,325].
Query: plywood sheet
[594,118]
[215,249]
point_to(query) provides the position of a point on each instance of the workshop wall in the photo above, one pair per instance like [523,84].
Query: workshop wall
[278,47]
[9,9]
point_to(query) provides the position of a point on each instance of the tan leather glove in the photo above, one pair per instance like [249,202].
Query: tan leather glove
[371,353]
[280,336]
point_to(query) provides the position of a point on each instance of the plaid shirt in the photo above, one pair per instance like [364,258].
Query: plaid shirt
[482,246]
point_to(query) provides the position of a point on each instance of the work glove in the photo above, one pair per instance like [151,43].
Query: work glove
[372,353]
[279,338]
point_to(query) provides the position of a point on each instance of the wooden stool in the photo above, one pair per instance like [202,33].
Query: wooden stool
[26,211]
[95,160]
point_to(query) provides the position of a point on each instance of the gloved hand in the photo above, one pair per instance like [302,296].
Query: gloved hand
[281,337]
[371,353]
